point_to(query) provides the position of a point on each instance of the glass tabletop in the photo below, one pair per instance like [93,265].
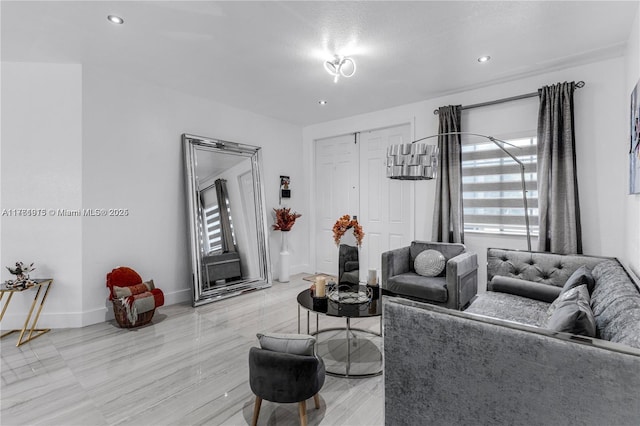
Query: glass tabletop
[370,308]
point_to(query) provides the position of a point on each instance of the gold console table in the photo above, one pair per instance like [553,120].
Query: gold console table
[40,284]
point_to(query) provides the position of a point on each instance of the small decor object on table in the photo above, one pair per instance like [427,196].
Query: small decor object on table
[320,293]
[348,252]
[372,280]
[348,295]
[321,285]
[21,271]
[284,221]
[372,283]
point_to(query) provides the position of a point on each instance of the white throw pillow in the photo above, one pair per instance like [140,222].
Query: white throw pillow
[297,344]
[429,263]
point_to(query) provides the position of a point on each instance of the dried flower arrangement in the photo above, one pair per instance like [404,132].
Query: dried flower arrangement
[285,219]
[345,223]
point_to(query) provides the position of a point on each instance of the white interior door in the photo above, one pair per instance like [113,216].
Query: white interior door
[386,205]
[337,194]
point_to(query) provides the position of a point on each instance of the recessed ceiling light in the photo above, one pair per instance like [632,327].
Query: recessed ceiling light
[484,58]
[322,102]
[115,19]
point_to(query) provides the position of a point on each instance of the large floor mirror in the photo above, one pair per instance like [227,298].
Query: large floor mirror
[227,218]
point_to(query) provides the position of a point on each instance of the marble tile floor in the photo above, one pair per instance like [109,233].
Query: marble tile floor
[188,367]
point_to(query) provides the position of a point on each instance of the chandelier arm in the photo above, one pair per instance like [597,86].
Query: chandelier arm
[353,64]
[330,67]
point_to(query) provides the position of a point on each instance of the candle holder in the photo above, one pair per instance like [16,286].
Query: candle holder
[320,287]
[375,291]
[320,303]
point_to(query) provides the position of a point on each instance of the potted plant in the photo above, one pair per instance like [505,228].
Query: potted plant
[284,221]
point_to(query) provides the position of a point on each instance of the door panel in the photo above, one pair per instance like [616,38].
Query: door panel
[388,205]
[337,194]
[351,179]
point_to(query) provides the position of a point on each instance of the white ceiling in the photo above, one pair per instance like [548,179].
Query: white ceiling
[267,57]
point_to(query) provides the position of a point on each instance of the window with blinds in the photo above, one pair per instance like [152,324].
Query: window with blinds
[213,230]
[492,188]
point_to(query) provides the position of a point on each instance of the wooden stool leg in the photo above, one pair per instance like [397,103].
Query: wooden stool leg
[302,407]
[316,399]
[256,411]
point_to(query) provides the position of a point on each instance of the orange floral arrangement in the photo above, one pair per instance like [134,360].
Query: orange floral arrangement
[285,219]
[345,223]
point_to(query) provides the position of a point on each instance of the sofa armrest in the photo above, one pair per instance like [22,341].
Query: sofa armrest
[395,262]
[462,280]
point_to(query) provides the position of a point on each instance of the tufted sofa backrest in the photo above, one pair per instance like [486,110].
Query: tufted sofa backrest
[546,268]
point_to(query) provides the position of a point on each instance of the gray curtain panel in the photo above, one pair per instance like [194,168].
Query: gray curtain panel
[202,223]
[559,209]
[228,244]
[447,214]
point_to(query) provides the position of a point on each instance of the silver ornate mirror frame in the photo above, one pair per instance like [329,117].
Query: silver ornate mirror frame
[198,151]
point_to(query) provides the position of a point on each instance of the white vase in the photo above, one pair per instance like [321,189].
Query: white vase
[283,276]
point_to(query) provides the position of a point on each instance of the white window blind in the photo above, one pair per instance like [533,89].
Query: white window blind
[492,187]
[213,229]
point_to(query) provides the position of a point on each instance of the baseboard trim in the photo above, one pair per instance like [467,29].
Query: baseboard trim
[56,320]
[299,269]
[179,296]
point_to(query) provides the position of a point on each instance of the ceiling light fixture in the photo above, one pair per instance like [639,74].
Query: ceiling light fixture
[322,102]
[114,19]
[483,59]
[340,66]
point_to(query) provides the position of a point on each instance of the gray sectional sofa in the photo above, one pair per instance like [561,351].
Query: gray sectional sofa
[498,363]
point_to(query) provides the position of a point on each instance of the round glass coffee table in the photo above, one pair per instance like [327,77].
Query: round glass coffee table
[346,351]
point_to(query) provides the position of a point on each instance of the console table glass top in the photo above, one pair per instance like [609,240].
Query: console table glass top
[38,284]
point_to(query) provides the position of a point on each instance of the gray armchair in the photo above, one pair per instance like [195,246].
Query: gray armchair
[454,288]
[285,370]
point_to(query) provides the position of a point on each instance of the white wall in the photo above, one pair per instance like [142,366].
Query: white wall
[41,153]
[75,138]
[632,202]
[132,159]
[600,144]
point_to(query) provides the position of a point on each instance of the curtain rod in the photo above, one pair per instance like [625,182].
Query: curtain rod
[579,85]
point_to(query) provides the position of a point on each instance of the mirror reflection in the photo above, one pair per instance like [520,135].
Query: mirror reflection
[348,265]
[228,222]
